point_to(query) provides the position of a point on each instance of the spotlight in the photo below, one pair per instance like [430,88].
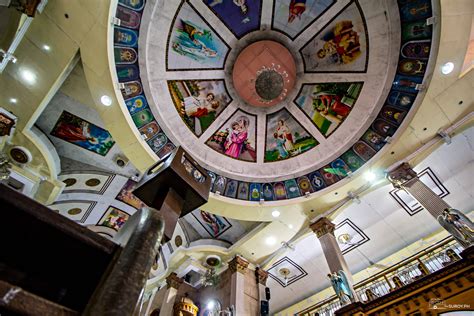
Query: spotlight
[46,48]
[13,100]
[270,241]
[276,213]
[370,176]
[447,68]
[106,100]
[290,226]
[28,76]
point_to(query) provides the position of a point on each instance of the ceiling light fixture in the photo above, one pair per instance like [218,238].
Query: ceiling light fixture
[28,76]
[290,226]
[106,100]
[370,176]
[13,100]
[46,48]
[447,68]
[276,214]
[270,241]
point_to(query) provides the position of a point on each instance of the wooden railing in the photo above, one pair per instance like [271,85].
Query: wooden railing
[397,276]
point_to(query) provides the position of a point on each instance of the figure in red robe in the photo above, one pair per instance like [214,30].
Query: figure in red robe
[296,9]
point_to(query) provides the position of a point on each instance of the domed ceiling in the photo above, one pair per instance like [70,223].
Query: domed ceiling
[277,99]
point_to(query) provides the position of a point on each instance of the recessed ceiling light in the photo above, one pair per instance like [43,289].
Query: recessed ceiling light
[13,100]
[46,48]
[270,241]
[370,176]
[28,76]
[106,100]
[290,226]
[276,213]
[447,68]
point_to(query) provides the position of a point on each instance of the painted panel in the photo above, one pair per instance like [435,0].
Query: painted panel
[77,131]
[328,104]
[150,130]
[236,138]
[243,193]
[317,181]
[125,55]
[415,10]
[341,46]
[406,84]
[131,89]
[340,168]
[142,117]
[292,190]
[280,191]
[199,102]
[125,37]
[352,160]
[214,225]
[373,139]
[136,5]
[231,188]
[169,147]
[127,73]
[113,218]
[128,18]
[126,195]
[267,192]
[193,44]
[136,104]
[219,186]
[363,150]
[285,137]
[157,142]
[255,189]
[305,185]
[400,99]
[384,128]
[416,49]
[416,30]
[240,16]
[292,17]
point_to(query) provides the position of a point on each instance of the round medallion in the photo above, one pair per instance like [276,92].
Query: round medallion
[74,211]
[20,155]
[92,182]
[70,182]
[178,241]
[213,261]
[269,85]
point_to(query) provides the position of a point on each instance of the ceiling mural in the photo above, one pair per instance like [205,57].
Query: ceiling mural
[240,16]
[294,16]
[295,139]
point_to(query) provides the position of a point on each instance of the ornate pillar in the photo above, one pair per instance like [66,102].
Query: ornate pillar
[238,267]
[404,177]
[150,301]
[324,229]
[172,285]
[261,276]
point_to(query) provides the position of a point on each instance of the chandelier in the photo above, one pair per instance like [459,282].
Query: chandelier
[4,167]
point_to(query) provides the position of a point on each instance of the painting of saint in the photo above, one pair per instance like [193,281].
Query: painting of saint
[328,104]
[77,131]
[341,46]
[214,225]
[127,196]
[240,16]
[199,103]
[285,137]
[113,218]
[193,44]
[292,17]
[237,137]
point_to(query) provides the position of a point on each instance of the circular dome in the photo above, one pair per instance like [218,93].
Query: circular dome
[276,100]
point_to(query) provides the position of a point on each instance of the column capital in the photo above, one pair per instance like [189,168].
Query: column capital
[401,174]
[173,281]
[322,227]
[238,264]
[262,276]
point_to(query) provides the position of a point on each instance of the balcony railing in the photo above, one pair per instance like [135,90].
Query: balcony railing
[402,273]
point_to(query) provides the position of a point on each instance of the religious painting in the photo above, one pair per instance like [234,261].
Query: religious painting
[77,131]
[384,128]
[231,188]
[416,49]
[393,115]
[128,18]
[6,123]
[142,117]
[317,181]
[136,5]
[243,191]
[237,137]
[292,190]
[240,16]
[373,139]
[415,10]
[305,185]
[113,218]
[329,175]
[280,191]
[199,102]
[127,196]
[193,44]
[292,17]
[416,30]
[127,73]
[125,37]
[214,225]
[136,104]
[412,67]
[406,83]
[340,168]
[267,192]
[328,104]
[400,99]
[353,161]
[157,142]
[167,148]
[219,185]
[285,137]
[255,190]
[131,89]
[125,55]
[363,150]
[150,130]
[341,46]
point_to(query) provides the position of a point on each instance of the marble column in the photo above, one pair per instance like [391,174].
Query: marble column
[150,301]
[404,177]
[172,285]
[261,276]
[324,229]
[238,266]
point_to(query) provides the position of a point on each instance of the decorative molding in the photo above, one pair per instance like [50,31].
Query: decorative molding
[238,264]
[288,263]
[322,227]
[401,174]
[261,276]
[173,281]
